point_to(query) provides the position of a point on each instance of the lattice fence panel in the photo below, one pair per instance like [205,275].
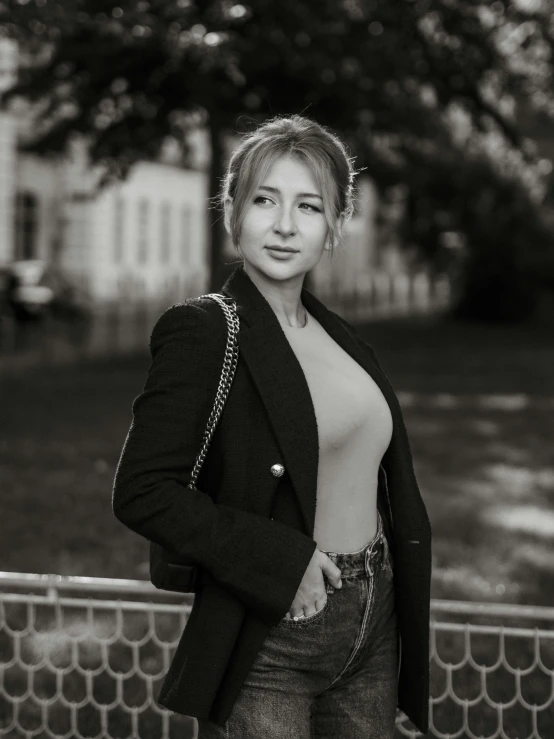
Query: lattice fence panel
[490,682]
[76,667]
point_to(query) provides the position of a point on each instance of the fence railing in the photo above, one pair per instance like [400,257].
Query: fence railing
[84,657]
[109,329]
[380,294]
[124,326]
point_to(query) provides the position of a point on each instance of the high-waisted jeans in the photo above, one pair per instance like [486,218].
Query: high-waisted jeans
[331,675]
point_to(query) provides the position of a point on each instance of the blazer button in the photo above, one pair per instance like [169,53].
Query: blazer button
[277,470]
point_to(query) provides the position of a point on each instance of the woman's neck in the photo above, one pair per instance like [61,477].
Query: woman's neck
[283,297]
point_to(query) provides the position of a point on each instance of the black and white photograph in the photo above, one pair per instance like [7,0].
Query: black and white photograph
[277,369]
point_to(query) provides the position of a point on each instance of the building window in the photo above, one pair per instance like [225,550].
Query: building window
[26,225]
[186,221]
[143,223]
[165,232]
[119,229]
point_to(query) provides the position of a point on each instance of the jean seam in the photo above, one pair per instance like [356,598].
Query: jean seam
[361,634]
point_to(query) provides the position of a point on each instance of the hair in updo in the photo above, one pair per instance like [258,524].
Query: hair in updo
[295,136]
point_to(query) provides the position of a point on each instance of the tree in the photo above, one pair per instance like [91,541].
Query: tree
[387,74]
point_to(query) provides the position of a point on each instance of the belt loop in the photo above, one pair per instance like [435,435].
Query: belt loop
[368,567]
[386,566]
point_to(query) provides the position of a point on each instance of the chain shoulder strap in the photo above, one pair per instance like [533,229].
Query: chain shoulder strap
[227,374]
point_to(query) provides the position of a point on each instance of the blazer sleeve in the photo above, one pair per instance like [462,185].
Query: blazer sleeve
[259,560]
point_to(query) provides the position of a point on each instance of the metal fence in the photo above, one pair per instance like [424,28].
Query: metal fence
[379,294]
[124,326]
[84,657]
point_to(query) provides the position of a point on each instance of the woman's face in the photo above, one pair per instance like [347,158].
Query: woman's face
[286,210]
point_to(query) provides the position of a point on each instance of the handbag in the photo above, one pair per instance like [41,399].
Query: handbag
[169,571]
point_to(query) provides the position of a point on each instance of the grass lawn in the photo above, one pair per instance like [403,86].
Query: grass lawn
[479,406]
[485,463]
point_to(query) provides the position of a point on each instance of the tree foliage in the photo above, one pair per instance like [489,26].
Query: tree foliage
[424,92]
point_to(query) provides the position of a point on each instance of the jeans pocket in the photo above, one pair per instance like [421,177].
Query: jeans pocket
[305,620]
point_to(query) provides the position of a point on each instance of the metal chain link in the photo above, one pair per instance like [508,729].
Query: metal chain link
[230,361]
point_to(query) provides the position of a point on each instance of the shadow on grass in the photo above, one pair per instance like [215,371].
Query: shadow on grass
[478,467]
[487,477]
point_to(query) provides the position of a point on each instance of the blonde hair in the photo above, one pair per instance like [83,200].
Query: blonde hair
[300,137]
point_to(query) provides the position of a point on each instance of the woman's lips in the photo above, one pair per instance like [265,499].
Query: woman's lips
[280,253]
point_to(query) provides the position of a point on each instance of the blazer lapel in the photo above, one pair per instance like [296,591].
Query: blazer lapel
[282,387]
[281,383]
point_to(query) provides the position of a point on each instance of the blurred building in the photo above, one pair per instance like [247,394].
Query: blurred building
[144,238]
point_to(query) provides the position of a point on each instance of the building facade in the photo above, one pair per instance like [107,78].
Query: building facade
[145,238]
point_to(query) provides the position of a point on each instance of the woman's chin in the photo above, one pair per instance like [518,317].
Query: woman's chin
[277,269]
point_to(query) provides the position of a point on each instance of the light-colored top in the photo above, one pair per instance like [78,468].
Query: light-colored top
[354,425]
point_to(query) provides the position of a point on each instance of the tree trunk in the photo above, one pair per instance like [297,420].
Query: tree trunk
[216,229]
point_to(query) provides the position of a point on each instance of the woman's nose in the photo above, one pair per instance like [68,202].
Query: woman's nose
[284,224]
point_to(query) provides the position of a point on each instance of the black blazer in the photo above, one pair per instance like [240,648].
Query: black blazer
[251,531]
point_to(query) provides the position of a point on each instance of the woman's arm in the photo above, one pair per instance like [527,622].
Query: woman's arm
[260,561]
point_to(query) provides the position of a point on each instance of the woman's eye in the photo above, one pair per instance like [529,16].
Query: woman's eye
[312,207]
[262,199]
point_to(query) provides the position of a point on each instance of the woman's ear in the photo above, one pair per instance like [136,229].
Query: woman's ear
[228,210]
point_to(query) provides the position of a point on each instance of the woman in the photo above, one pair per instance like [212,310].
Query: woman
[307,501]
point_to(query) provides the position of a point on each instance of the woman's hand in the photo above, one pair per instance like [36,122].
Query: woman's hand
[311,595]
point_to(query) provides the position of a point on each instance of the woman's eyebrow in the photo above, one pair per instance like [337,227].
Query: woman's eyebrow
[298,194]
